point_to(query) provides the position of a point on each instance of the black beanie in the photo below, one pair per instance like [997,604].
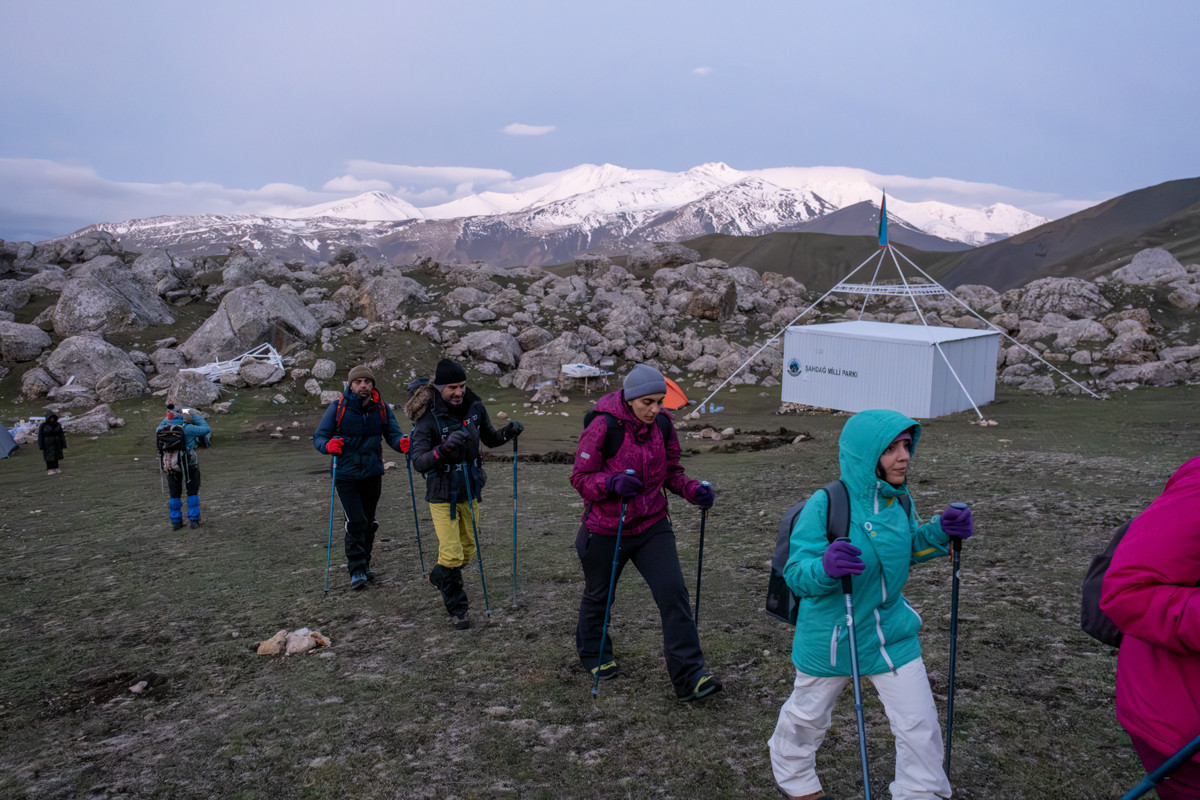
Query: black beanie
[448,372]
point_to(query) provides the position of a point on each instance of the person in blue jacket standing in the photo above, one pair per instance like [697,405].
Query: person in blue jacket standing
[353,429]
[884,541]
[182,467]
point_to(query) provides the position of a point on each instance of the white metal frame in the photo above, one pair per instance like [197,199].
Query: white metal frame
[902,289]
[264,353]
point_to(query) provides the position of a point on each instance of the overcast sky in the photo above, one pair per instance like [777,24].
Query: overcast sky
[132,108]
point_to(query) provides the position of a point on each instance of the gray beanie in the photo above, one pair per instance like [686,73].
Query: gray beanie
[643,380]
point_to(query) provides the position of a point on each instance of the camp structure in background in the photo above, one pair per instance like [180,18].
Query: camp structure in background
[7,443]
[922,371]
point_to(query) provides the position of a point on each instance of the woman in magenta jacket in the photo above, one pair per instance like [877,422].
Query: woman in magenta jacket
[651,450]
[1151,593]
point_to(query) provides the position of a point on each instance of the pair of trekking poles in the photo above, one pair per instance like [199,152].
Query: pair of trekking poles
[612,581]
[855,676]
[417,525]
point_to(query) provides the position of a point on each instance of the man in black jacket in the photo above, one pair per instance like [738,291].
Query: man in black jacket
[449,423]
[354,428]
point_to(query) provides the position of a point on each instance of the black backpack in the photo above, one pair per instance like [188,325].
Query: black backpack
[614,434]
[1092,620]
[170,439]
[781,601]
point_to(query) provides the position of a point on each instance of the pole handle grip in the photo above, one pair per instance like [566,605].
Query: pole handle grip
[705,483]
[847,586]
[956,543]
[629,472]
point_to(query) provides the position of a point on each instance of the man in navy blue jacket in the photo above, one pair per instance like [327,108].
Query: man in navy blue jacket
[353,430]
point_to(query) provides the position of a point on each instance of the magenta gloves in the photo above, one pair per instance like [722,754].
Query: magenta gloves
[703,496]
[623,484]
[842,559]
[957,521]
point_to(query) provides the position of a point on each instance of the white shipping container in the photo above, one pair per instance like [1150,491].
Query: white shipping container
[853,366]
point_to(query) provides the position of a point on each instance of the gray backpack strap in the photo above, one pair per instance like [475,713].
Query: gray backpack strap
[838,523]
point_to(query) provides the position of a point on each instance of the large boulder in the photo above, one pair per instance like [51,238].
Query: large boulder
[647,259]
[545,363]
[716,302]
[260,373]
[248,317]
[192,388]
[161,271]
[92,423]
[1152,265]
[1071,297]
[384,297]
[103,296]
[96,364]
[13,295]
[37,382]
[20,342]
[498,347]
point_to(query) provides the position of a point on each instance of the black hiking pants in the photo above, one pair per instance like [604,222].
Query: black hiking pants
[359,498]
[653,553]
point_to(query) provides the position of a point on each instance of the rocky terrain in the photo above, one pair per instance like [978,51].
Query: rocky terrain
[65,307]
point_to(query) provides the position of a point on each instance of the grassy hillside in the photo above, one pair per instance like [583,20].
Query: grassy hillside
[818,260]
[99,594]
[1089,243]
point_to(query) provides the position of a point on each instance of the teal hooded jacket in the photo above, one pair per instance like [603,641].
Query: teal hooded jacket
[891,541]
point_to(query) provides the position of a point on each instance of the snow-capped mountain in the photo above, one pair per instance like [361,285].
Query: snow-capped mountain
[551,218]
[377,206]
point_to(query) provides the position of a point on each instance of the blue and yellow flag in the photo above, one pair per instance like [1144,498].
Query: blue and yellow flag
[883,242]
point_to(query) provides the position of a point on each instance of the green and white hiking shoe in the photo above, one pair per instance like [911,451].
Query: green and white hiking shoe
[606,671]
[708,684]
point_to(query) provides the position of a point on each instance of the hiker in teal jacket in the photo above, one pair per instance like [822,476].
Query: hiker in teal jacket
[874,452]
[182,468]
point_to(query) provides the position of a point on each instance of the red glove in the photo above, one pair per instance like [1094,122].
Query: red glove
[404,444]
[334,447]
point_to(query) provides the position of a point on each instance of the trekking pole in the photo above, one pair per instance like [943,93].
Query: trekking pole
[700,559]
[847,593]
[1170,765]
[416,522]
[329,547]
[466,473]
[957,550]
[514,582]
[612,584]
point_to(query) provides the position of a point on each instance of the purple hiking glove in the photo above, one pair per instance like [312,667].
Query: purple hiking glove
[957,522]
[704,496]
[842,559]
[623,484]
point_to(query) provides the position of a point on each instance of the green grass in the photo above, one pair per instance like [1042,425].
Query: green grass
[98,593]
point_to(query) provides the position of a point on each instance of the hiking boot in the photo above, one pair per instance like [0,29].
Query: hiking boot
[358,580]
[706,685]
[817,795]
[460,621]
[176,525]
[193,523]
[370,575]
[606,671]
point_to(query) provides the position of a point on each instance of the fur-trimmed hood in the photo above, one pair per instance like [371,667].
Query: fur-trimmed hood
[420,402]
[427,397]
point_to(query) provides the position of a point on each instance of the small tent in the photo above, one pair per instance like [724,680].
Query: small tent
[7,443]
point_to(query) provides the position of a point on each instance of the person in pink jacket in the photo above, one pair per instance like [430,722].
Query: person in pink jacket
[649,447]
[1150,592]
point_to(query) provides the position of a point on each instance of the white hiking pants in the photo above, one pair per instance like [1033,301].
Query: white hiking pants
[906,697]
